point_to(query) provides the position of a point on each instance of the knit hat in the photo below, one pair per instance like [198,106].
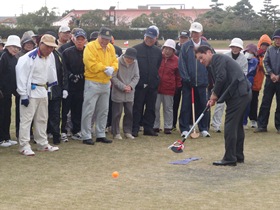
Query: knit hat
[130,53]
[276,34]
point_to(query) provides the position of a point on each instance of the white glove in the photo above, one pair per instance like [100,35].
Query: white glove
[64,94]
[109,71]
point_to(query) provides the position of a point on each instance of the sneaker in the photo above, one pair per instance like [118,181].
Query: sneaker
[156,130]
[217,130]
[64,137]
[77,136]
[47,148]
[12,142]
[5,144]
[69,133]
[167,131]
[205,134]
[184,134]
[128,136]
[27,152]
[50,136]
[174,129]
[254,124]
[141,128]
[104,140]
[117,136]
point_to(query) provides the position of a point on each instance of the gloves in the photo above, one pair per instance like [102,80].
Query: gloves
[76,77]
[1,95]
[64,94]
[24,101]
[109,71]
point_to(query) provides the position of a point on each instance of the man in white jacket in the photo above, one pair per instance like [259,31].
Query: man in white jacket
[35,73]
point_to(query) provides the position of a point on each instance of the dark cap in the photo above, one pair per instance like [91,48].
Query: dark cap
[130,53]
[80,33]
[151,32]
[75,29]
[252,48]
[105,33]
[276,34]
[184,34]
[93,35]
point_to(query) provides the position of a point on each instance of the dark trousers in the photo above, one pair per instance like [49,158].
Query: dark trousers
[200,97]
[75,105]
[5,117]
[176,104]
[109,119]
[64,111]
[144,97]
[270,89]
[253,115]
[54,119]
[234,131]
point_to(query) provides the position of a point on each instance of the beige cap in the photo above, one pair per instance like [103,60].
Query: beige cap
[49,40]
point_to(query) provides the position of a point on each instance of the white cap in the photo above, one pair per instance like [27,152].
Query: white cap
[236,42]
[196,27]
[64,29]
[170,43]
[13,40]
[156,28]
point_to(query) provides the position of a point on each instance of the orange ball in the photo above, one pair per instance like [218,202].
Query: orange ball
[115,174]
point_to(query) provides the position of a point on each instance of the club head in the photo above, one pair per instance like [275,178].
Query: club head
[177,149]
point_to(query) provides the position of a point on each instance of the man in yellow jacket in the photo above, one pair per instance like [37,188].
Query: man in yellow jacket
[100,63]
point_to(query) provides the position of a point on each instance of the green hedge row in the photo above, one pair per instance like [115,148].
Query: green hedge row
[139,34]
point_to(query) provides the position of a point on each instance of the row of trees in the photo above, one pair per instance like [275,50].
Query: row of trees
[240,17]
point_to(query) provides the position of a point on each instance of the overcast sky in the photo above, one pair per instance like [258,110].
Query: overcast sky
[17,7]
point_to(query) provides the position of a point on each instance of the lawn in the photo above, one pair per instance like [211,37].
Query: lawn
[78,176]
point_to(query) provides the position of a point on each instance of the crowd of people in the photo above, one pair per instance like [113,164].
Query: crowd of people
[66,85]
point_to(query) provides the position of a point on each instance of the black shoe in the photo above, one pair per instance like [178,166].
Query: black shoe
[150,133]
[156,130]
[167,131]
[224,163]
[260,130]
[104,140]
[240,161]
[88,141]
[135,134]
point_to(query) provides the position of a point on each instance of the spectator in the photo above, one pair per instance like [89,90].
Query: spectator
[123,88]
[27,44]
[183,38]
[100,64]
[194,76]
[2,45]
[231,86]
[56,94]
[71,41]
[263,45]
[149,59]
[250,53]
[74,65]
[170,81]
[64,35]
[8,62]
[236,46]
[93,36]
[35,72]
[272,86]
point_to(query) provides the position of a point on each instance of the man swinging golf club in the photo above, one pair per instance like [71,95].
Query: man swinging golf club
[231,87]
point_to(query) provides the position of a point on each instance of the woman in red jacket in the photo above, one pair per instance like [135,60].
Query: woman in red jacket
[170,80]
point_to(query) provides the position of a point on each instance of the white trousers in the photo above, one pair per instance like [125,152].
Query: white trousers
[37,111]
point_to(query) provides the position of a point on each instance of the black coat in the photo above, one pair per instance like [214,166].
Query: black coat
[8,63]
[149,60]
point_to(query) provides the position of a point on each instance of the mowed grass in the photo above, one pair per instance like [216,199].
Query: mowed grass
[78,177]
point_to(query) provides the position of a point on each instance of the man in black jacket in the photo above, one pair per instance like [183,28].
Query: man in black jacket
[73,63]
[230,86]
[149,59]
